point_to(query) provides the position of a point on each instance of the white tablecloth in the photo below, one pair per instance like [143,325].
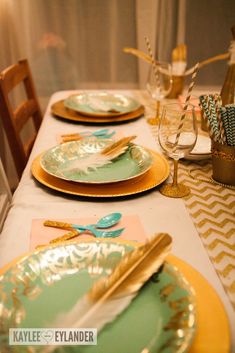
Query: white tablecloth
[157,213]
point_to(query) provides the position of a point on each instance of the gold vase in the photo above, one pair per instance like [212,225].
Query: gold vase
[223,163]
[177,86]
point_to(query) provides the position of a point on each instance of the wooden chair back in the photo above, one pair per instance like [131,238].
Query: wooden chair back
[5,196]
[15,118]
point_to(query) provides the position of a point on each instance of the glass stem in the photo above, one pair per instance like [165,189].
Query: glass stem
[157,109]
[175,173]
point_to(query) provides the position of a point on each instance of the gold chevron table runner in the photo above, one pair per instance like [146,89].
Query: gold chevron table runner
[212,208]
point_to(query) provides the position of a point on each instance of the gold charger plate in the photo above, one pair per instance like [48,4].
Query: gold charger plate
[158,172]
[212,333]
[59,110]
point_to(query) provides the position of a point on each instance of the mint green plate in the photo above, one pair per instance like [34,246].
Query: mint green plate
[101,104]
[49,282]
[58,161]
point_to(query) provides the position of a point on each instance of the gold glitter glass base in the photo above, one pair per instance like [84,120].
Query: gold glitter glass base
[153,121]
[171,190]
[156,119]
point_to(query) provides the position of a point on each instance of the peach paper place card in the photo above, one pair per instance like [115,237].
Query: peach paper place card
[41,234]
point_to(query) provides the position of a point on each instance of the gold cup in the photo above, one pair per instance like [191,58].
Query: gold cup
[223,163]
[177,86]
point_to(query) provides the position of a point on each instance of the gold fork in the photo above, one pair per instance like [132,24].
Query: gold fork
[71,137]
[67,236]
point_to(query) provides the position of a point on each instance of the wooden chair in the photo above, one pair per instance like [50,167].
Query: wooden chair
[5,196]
[15,118]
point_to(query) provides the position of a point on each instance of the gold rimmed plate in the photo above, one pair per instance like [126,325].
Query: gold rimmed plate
[59,110]
[101,104]
[212,325]
[68,271]
[61,160]
[157,173]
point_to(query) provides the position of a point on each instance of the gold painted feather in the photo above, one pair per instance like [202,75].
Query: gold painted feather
[139,53]
[109,296]
[183,54]
[99,159]
[179,60]
[133,270]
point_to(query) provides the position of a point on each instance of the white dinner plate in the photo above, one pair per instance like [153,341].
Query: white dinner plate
[202,149]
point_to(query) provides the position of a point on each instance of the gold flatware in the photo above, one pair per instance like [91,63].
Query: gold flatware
[71,137]
[62,225]
[69,235]
[58,224]
[90,227]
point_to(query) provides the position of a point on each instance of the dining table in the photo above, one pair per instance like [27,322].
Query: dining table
[201,224]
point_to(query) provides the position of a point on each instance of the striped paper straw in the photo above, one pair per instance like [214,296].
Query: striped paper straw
[210,119]
[192,83]
[230,110]
[213,118]
[218,104]
[204,110]
[155,69]
[224,118]
[205,103]
[211,110]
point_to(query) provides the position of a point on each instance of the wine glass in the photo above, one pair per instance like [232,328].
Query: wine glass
[177,136]
[159,84]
